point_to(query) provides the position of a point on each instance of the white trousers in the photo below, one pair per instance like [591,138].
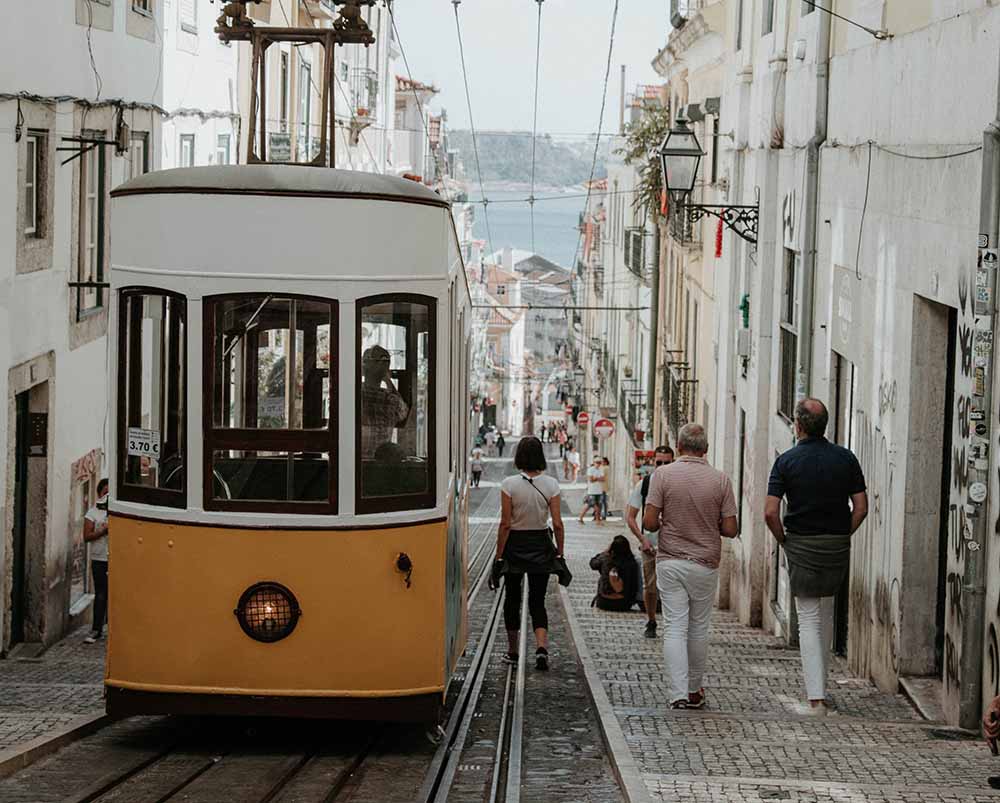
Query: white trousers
[815,641]
[687,591]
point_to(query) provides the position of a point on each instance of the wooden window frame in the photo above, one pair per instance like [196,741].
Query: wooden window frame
[180,155]
[33,159]
[767,21]
[95,158]
[139,139]
[219,149]
[185,25]
[158,497]
[399,502]
[267,440]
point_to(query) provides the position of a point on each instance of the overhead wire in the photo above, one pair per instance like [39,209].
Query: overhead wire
[534,124]
[472,124]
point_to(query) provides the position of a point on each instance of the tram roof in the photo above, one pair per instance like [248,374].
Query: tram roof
[281,180]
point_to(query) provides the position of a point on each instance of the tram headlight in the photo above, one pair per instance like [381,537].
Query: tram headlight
[267,611]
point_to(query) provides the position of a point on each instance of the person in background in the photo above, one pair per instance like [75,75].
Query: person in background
[382,407]
[592,501]
[634,511]
[619,578]
[95,533]
[500,444]
[573,459]
[827,502]
[491,442]
[694,506]
[562,438]
[541,436]
[605,479]
[476,466]
[528,501]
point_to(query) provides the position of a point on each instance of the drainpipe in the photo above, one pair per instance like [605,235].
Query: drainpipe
[974,579]
[810,238]
[654,327]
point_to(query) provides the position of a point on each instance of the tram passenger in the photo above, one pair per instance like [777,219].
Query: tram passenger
[95,533]
[382,408]
[524,544]
[619,576]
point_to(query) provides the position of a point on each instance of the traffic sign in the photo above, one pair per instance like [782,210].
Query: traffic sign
[604,428]
[583,419]
[569,410]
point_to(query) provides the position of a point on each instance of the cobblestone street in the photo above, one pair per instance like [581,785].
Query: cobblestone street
[42,696]
[748,744]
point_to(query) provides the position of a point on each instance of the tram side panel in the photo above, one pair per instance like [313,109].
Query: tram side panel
[363,634]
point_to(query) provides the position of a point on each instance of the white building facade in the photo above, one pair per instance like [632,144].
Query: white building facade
[862,291]
[89,70]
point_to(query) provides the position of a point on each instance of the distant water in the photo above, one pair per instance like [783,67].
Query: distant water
[556,222]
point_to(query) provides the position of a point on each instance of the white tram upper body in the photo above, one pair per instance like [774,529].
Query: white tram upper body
[292,422]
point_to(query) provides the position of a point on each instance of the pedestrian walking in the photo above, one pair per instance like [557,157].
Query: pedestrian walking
[476,466]
[827,501]
[573,457]
[618,582]
[529,500]
[500,444]
[562,438]
[542,434]
[95,533]
[648,540]
[694,507]
[592,501]
[605,478]
[491,442]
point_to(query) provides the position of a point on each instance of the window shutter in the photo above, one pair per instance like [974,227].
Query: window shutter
[188,10]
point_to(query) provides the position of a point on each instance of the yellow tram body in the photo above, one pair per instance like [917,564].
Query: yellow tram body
[278,546]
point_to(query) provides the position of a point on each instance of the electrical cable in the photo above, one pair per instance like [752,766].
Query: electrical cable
[927,158]
[600,122]
[864,211]
[90,50]
[472,125]
[534,124]
[881,35]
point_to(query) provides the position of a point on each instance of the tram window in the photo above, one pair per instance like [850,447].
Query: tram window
[269,373]
[395,403]
[151,407]
[264,377]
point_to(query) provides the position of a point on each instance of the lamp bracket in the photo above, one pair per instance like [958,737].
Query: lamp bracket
[741,219]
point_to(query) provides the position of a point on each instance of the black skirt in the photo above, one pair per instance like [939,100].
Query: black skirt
[530,552]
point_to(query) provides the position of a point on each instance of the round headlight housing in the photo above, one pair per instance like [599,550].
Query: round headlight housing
[267,611]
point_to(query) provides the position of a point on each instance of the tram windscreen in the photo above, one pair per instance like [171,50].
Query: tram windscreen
[394,403]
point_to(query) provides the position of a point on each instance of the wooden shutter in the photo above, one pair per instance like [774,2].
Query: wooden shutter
[188,10]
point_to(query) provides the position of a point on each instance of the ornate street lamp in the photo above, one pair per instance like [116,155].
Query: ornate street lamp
[680,157]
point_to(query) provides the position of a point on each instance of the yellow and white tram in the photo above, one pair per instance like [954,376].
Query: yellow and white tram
[288,515]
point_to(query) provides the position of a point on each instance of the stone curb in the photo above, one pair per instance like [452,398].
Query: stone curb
[627,772]
[17,758]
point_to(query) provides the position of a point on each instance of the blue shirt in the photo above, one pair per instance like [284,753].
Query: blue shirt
[818,479]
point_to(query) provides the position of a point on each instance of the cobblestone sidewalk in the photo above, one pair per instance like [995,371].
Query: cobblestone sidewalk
[41,696]
[749,744]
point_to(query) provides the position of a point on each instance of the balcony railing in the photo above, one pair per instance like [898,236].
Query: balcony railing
[679,400]
[364,88]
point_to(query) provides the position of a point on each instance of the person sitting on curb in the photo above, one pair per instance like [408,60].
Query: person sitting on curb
[619,579]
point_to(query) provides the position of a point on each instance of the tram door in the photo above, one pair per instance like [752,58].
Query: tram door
[18,595]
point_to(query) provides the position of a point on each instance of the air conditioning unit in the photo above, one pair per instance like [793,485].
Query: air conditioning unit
[743,342]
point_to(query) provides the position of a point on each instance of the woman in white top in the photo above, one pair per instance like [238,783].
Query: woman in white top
[524,543]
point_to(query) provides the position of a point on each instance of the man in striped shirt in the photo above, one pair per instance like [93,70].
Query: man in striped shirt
[694,507]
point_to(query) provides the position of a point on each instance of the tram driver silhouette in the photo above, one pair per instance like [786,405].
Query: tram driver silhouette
[382,407]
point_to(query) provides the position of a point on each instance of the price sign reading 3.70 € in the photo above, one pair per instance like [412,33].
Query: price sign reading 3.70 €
[143,443]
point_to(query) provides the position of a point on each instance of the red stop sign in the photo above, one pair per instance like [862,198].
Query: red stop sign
[583,419]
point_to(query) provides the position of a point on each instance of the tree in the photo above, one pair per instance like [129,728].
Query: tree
[641,150]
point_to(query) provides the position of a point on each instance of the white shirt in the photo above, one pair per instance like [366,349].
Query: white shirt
[477,459]
[574,457]
[99,547]
[528,510]
[635,500]
[595,477]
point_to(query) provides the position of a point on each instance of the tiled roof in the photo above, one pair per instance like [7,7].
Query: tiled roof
[406,85]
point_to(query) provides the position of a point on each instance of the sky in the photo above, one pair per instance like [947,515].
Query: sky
[499,38]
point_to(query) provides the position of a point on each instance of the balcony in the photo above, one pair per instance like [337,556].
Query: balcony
[680,395]
[632,415]
[364,90]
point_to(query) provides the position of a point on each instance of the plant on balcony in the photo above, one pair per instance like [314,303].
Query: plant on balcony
[641,144]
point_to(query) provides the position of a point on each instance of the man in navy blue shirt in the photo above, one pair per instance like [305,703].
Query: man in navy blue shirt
[827,501]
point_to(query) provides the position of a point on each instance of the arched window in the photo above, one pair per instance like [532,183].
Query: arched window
[270,403]
[395,403]
[152,396]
